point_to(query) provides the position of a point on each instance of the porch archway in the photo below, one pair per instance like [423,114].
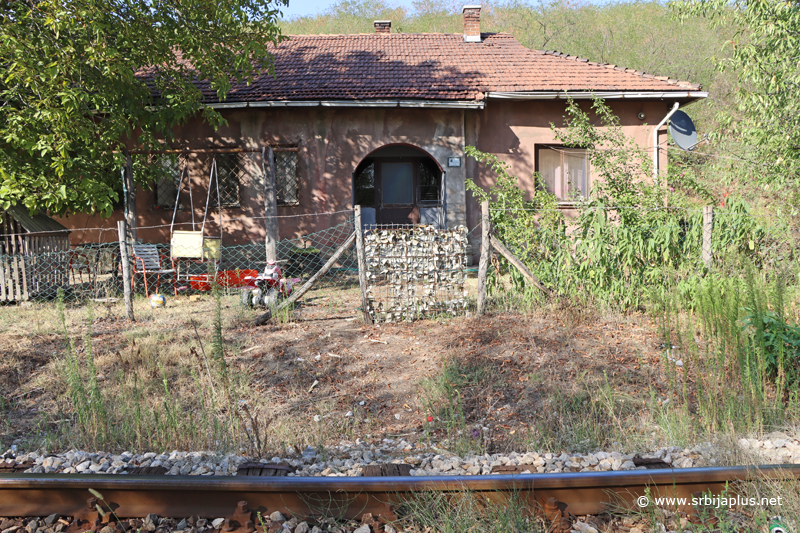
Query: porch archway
[400,184]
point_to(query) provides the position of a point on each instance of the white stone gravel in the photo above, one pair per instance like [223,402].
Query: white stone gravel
[347,459]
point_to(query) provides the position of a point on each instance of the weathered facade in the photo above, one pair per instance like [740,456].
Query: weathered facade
[382,120]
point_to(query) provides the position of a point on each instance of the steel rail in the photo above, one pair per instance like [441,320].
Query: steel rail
[578,493]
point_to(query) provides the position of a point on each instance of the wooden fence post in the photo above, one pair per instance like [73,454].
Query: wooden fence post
[483,265]
[362,265]
[297,293]
[270,205]
[511,258]
[126,268]
[708,225]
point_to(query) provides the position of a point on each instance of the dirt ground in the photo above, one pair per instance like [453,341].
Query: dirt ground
[507,376]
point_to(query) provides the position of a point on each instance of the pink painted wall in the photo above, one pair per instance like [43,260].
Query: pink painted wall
[332,142]
[512,129]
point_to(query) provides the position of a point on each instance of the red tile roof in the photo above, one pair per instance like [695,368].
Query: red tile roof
[430,66]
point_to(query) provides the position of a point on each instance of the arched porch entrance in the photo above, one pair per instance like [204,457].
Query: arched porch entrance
[400,184]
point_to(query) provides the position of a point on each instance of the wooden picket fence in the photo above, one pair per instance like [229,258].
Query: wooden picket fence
[13,278]
[33,276]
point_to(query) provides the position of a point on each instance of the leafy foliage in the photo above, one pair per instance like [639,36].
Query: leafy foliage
[763,54]
[628,244]
[534,228]
[79,78]
[781,343]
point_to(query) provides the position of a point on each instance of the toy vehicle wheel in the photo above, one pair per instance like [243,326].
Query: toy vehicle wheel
[246,302]
[271,298]
[256,294]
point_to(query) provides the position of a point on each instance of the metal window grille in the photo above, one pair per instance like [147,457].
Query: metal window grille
[286,179]
[430,184]
[229,175]
[166,172]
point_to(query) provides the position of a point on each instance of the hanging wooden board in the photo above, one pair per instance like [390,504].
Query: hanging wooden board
[187,244]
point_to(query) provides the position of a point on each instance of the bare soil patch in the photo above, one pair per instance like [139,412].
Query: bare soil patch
[325,376]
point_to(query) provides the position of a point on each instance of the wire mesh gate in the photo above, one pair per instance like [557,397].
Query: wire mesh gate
[415,272]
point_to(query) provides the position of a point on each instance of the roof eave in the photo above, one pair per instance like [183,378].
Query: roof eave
[436,104]
[686,96]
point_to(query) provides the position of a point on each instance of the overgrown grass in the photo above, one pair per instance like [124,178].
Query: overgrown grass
[139,405]
[443,404]
[738,362]
[466,511]
[589,419]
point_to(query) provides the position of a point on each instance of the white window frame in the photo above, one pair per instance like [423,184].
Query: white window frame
[563,189]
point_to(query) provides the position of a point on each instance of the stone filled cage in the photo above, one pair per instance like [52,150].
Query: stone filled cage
[415,272]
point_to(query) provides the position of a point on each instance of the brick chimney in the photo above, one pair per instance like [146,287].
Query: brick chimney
[383,26]
[472,24]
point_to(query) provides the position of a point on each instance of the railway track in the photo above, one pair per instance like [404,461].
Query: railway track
[240,498]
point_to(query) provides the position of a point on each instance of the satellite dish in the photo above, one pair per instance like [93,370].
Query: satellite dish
[683,131]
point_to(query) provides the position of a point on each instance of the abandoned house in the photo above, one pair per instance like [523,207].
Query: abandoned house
[381,120]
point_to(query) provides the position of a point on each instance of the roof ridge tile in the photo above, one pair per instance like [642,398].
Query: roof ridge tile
[427,66]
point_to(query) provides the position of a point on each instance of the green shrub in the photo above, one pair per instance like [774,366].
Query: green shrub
[778,340]
[629,245]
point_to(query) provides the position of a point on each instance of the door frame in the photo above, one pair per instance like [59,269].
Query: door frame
[416,192]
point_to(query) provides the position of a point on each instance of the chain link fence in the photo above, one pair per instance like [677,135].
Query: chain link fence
[609,260]
[93,271]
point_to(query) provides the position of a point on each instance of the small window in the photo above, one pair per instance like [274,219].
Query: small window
[229,173]
[430,184]
[365,186]
[287,180]
[565,172]
[166,172]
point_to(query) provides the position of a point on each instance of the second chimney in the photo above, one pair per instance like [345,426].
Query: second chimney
[383,26]
[472,24]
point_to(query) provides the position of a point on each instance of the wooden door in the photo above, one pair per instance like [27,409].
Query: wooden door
[397,196]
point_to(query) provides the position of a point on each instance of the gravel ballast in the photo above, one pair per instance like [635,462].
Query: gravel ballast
[347,459]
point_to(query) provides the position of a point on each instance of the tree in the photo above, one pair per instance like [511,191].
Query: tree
[81,78]
[764,54]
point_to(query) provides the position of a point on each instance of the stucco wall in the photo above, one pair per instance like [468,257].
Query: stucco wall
[332,142]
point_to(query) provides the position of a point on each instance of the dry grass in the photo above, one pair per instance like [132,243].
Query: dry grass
[157,394]
[555,378]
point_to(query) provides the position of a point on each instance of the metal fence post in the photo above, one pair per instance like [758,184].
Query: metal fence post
[708,225]
[362,265]
[483,265]
[126,269]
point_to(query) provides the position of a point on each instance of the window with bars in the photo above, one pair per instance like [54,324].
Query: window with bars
[229,177]
[165,170]
[287,181]
[565,172]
